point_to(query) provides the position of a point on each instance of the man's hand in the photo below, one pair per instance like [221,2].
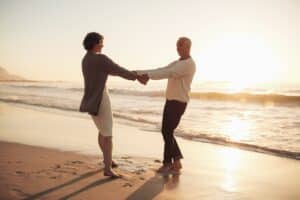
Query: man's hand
[143,79]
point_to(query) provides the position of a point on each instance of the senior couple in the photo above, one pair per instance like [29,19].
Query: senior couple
[96,67]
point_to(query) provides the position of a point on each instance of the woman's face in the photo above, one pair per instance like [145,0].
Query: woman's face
[98,47]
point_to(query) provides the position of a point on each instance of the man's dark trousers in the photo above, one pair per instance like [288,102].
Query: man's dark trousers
[173,111]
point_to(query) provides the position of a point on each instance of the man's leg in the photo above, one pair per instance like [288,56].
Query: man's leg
[178,110]
[177,156]
[175,153]
[167,159]
[167,134]
[169,123]
[172,115]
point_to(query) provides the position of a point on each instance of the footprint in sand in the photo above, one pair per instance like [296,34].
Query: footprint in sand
[127,185]
[56,177]
[43,171]
[72,162]
[125,157]
[139,171]
[77,162]
[128,161]
[18,172]
[57,166]
[91,167]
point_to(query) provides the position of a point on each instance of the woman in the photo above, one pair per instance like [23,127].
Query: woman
[95,68]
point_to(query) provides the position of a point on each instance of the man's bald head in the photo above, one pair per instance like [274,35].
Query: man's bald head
[183,47]
[185,41]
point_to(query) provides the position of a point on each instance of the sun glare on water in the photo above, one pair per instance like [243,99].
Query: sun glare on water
[237,129]
[230,162]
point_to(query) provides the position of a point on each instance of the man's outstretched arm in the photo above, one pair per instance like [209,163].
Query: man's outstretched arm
[171,71]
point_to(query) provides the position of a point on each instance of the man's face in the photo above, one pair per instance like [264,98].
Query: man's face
[98,47]
[182,48]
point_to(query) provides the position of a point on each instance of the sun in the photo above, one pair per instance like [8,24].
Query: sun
[241,60]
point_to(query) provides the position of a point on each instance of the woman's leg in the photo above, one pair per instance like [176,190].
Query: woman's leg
[101,145]
[105,124]
[107,154]
[101,142]
[107,146]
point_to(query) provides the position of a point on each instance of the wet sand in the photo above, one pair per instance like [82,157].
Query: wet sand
[70,167]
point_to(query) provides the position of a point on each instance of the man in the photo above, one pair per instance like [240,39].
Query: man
[180,74]
[95,68]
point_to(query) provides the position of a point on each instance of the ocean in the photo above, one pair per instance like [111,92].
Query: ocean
[262,118]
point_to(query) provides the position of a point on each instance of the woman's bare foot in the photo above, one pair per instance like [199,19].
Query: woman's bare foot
[114,164]
[111,174]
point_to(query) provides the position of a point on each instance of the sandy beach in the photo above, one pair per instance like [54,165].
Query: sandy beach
[29,172]
[51,155]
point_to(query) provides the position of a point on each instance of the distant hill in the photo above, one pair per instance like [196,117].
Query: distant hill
[6,76]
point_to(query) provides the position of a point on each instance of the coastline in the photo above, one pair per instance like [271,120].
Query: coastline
[210,171]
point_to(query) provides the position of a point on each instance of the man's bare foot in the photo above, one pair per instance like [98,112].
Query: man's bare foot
[164,169]
[175,168]
[111,174]
[174,171]
[176,165]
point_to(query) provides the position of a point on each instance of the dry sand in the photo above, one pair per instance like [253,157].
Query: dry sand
[29,172]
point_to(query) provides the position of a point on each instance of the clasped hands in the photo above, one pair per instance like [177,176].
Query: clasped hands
[143,78]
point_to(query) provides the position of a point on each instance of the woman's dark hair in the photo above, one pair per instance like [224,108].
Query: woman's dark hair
[91,39]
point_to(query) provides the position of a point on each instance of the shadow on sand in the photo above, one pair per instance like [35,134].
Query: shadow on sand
[154,186]
[86,175]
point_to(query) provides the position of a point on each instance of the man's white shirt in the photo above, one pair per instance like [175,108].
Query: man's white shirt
[179,73]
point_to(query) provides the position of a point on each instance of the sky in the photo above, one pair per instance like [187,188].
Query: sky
[233,40]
